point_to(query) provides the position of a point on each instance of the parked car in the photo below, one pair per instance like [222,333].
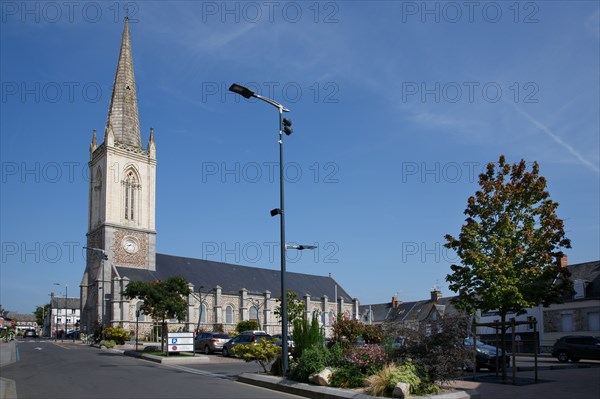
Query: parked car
[279,338]
[73,334]
[30,333]
[210,342]
[576,347]
[245,337]
[487,356]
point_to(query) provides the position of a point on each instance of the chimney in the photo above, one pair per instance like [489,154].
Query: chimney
[435,295]
[562,261]
[394,302]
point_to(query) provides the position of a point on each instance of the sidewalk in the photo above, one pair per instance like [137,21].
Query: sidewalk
[573,383]
[8,355]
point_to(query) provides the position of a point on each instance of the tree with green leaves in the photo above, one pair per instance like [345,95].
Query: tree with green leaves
[40,312]
[295,307]
[162,300]
[509,245]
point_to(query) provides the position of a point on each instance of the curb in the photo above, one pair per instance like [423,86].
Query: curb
[8,389]
[167,360]
[318,392]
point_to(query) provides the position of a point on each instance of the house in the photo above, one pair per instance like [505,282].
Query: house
[408,314]
[22,321]
[579,314]
[64,316]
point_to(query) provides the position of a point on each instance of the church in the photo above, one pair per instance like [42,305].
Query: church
[121,241]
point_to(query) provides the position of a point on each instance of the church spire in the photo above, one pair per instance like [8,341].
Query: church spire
[123,116]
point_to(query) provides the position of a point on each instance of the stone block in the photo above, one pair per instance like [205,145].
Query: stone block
[321,378]
[401,390]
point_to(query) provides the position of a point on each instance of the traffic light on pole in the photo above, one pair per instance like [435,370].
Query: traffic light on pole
[287,126]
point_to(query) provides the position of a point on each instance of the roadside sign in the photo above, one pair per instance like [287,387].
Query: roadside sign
[180,342]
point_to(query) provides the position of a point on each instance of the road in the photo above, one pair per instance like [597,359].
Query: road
[47,370]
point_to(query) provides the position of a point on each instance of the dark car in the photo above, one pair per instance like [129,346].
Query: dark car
[30,333]
[73,334]
[209,342]
[487,356]
[576,347]
[279,340]
[245,337]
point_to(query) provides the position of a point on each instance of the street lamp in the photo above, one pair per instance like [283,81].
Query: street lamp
[103,256]
[284,127]
[66,299]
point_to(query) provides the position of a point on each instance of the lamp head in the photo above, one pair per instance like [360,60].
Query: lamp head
[241,90]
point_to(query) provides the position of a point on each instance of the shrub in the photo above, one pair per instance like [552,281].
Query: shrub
[311,361]
[368,358]
[383,382]
[306,335]
[439,349]
[337,356]
[246,325]
[347,377]
[347,331]
[218,328]
[263,352]
[108,343]
[277,366]
[372,334]
[116,334]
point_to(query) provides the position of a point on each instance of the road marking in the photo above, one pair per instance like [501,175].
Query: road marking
[61,346]
[38,348]
[200,372]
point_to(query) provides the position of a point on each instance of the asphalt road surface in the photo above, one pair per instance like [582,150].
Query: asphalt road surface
[47,370]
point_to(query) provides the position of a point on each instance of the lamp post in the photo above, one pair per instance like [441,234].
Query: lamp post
[103,256]
[284,127]
[66,299]
[137,319]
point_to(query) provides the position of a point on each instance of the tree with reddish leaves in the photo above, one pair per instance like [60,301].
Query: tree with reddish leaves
[509,245]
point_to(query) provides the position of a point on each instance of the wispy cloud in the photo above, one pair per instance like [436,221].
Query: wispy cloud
[592,24]
[558,140]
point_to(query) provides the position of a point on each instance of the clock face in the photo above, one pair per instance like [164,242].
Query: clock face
[130,245]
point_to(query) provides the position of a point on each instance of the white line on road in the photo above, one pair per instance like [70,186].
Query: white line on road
[199,372]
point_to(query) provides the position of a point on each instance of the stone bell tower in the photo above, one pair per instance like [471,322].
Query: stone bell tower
[121,212]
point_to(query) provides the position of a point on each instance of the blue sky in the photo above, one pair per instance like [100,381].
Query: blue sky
[397,106]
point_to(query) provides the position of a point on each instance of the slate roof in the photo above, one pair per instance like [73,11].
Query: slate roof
[407,311]
[232,278]
[589,272]
[379,312]
[21,317]
[59,303]
[420,310]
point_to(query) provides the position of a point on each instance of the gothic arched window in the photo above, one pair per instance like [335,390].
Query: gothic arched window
[229,314]
[97,204]
[204,313]
[253,313]
[138,308]
[131,186]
